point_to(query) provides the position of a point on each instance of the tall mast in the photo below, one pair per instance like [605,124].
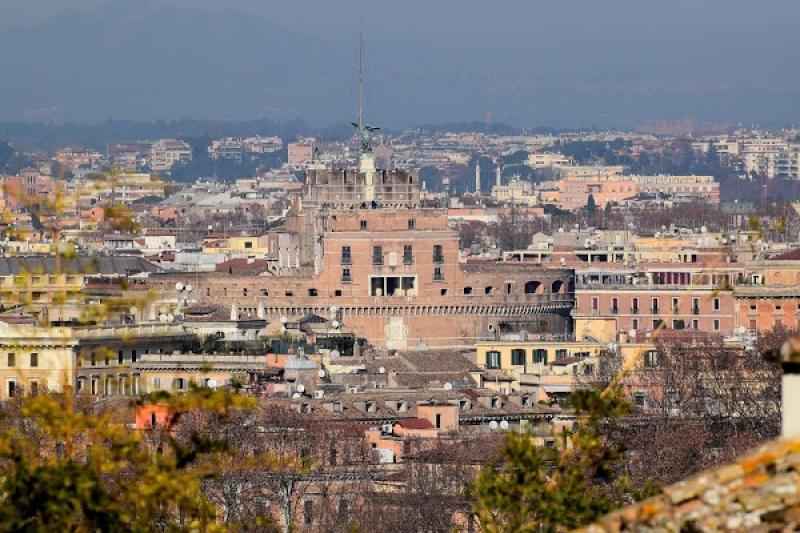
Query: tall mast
[360,81]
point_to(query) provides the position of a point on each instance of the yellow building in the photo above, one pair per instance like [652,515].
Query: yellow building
[252,247]
[35,359]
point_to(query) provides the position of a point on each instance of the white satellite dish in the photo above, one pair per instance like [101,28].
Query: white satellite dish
[188,288]
[296,395]
[212,383]
[321,373]
[382,370]
[179,286]
[170,318]
[504,424]
[448,386]
[301,388]
[493,425]
[335,324]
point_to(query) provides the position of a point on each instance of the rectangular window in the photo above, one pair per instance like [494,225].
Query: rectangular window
[635,323]
[657,324]
[346,277]
[12,360]
[517,356]
[34,359]
[437,274]
[695,306]
[412,224]
[133,356]
[695,324]
[308,512]
[654,308]
[34,388]
[120,357]
[675,306]
[634,305]
[12,388]
[377,255]
[540,356]
[717,304]
[363,224]
[615,305]
[408,254]
[716,325]
[438,421]
[438,254]
[347,257]
[493,359]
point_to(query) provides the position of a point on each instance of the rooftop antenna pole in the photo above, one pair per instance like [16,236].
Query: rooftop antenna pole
[360,81]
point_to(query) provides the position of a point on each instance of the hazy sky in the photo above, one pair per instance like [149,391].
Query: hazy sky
[528,62]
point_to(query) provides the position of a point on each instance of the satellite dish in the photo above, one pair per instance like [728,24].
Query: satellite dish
[448,386]
[335,353]
[170,318]
[382,370]
[335,324]
[179,286]
[283,329]
[212,383]
[301,388]
[321,373]
[188,288]
[504,424]
[493,425]
[296,395]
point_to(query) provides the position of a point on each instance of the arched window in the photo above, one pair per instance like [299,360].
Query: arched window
[532,287]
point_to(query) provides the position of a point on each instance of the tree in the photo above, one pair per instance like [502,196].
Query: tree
[65,468]
[591,206]
[538,488]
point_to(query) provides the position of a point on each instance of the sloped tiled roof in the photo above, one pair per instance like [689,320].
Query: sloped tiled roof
[791,255]
[75,265]
[759,492]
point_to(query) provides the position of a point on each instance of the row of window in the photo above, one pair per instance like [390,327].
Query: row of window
[411,224]
[107,360]
[377,255]
[677,324]
[655,305]
[519,356]
[33,360]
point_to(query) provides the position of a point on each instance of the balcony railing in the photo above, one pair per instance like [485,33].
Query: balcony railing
[408,259]
[438,258]
[347,260]
[377,261]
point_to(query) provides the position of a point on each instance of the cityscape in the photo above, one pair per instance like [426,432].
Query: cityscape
[275,324]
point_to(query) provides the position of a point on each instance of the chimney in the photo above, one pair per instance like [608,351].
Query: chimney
[789,358]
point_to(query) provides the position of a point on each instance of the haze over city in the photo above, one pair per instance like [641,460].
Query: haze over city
[576,63]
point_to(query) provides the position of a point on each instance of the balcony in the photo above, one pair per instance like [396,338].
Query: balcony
[347,260]
[438,276]
[347,278]
[377,261]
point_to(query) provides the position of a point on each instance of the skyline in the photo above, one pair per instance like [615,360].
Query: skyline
[570,65]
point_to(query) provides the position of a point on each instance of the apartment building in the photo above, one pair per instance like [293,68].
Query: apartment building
[165,153]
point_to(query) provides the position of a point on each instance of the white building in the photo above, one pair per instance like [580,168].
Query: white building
[166,152]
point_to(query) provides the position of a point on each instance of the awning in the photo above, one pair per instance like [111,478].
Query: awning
[558,389]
